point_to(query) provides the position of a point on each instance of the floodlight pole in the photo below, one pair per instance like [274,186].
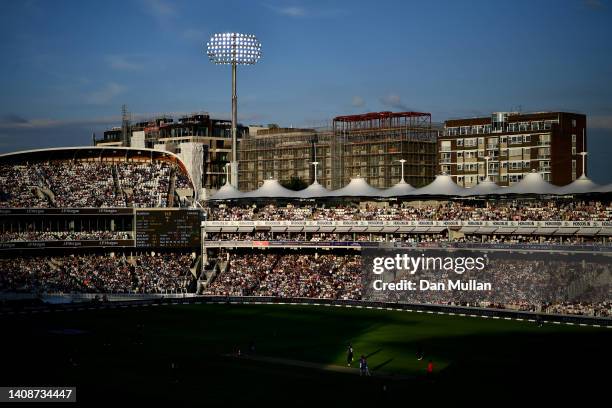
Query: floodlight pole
[315,164]
[583,153]
[402,161]
[227,173]
[234,178]
[487,158]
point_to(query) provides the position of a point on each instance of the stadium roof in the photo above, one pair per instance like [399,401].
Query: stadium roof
[313,191]
[532,183]
[399,189]
[605,189]
[357,187]
[270,189]
[582,184]
[227,192]
[485,187]
[443,185]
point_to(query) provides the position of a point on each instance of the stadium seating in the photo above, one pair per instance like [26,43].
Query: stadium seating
[83,184]
[162,273]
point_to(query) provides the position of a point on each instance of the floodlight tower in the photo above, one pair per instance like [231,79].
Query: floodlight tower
[234,49]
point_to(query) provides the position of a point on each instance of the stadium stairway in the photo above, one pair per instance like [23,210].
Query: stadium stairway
[195,266]
[208,274]
[171,186]
[47,194]
[118,190]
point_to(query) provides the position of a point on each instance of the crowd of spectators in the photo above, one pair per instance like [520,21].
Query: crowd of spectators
[145,184]
[20,186]
[526,283]
[160,273]
[83,184]
[29,236]
[464,210]
[324,276]
[555,286]
[182,180]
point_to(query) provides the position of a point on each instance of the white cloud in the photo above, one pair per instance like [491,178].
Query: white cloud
[297,11]
[159,8]
[394,101]
[293,11]
[123,63]
[105,94]
[357,102]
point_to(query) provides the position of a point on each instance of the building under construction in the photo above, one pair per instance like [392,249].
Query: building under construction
[203,143]
[368,145]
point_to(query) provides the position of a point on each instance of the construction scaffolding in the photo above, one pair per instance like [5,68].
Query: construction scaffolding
[368,145]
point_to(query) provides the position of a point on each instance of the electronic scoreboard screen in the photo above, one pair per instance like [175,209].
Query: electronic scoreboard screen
[168,228]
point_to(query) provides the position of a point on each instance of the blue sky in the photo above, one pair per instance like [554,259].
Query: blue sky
[68,66]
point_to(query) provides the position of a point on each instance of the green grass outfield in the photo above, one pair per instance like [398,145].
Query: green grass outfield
[99,351]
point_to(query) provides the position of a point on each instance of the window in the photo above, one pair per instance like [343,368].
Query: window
[573,138]
[459,142]
[573,122]
[470,142]
[573,150]
[516,139]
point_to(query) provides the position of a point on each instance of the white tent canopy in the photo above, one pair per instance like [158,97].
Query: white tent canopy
[483,188]
[358,187]
[314,190]
[582,184]
[400,189]
[227,192]
[443,185]
[605,189]
[532,183]
[270,189]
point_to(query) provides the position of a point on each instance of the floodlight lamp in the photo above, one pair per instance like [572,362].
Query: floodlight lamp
[233,48]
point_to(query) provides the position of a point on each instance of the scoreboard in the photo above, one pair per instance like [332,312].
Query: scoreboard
[166,228]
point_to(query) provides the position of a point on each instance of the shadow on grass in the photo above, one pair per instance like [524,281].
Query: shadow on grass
[381,365]
[488,357]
